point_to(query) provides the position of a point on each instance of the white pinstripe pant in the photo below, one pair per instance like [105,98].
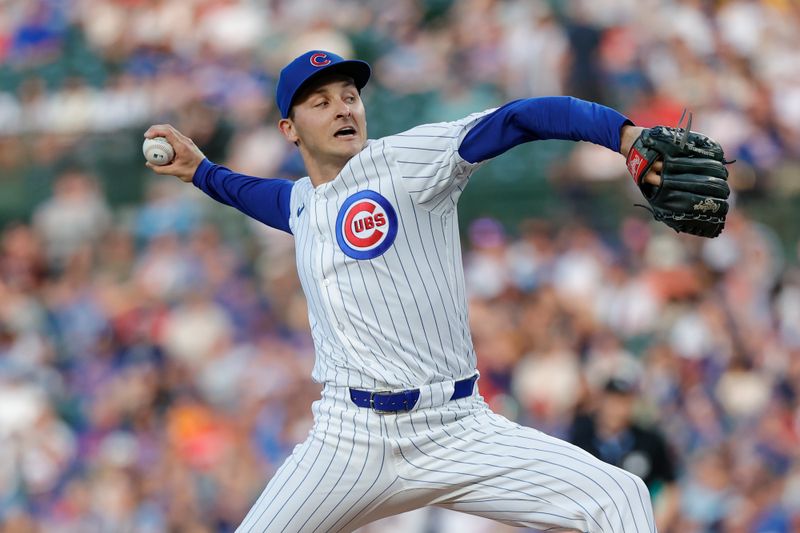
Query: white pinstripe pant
[357,466]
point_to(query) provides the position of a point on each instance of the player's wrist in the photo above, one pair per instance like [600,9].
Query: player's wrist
[201,170]
[627,136]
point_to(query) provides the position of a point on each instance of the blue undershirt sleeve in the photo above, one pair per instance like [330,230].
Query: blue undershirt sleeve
[264,199]
[550,117]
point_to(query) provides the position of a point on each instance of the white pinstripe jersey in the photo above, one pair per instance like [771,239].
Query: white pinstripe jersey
[379,259]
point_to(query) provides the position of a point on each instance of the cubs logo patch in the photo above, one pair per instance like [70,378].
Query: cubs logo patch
[319,60]
[366,225]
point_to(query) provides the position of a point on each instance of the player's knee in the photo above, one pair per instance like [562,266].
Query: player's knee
[633,486]
[637,501]
[628,483]
[632,496]
[644,492]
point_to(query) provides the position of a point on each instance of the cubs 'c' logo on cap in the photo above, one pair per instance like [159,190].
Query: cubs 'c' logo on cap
[319,59]
[366,225]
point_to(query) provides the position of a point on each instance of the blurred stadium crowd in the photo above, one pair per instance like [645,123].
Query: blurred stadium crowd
[155,356]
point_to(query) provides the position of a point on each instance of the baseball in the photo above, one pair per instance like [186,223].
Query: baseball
[158,151]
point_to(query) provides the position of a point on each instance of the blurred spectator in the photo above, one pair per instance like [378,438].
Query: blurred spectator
[708,495]
[611,433]
[166,210]
[76,215]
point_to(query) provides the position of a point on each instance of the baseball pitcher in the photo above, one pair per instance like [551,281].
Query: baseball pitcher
[401,423]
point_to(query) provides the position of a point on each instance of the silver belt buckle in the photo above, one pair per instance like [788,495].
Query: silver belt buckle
[372,402]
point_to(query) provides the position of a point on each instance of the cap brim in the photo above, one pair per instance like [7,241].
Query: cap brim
[360,71]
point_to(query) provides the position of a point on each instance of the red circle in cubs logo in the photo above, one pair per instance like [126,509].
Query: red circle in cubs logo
[366,225]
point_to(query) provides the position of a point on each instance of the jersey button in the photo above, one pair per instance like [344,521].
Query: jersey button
[341,326]
[326,282]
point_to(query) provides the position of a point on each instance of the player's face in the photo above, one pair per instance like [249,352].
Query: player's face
[329,120]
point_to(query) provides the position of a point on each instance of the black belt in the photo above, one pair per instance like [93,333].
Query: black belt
[394,402]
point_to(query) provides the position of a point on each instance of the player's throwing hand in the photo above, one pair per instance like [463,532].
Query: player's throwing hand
[187,155]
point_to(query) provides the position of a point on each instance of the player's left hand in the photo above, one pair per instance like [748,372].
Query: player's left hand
[187,155]
[628,136]
[688,191]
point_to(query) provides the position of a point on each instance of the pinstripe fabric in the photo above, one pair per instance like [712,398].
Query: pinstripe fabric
[387,309]
[399,319]
[357,466]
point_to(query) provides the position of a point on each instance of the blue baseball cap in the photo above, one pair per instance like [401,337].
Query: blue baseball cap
[310,65]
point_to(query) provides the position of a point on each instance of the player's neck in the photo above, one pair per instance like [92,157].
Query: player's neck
[322,171]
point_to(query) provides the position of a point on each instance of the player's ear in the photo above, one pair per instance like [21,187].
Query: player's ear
[286,125]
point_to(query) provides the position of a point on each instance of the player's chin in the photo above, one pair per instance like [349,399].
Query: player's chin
[350,145]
